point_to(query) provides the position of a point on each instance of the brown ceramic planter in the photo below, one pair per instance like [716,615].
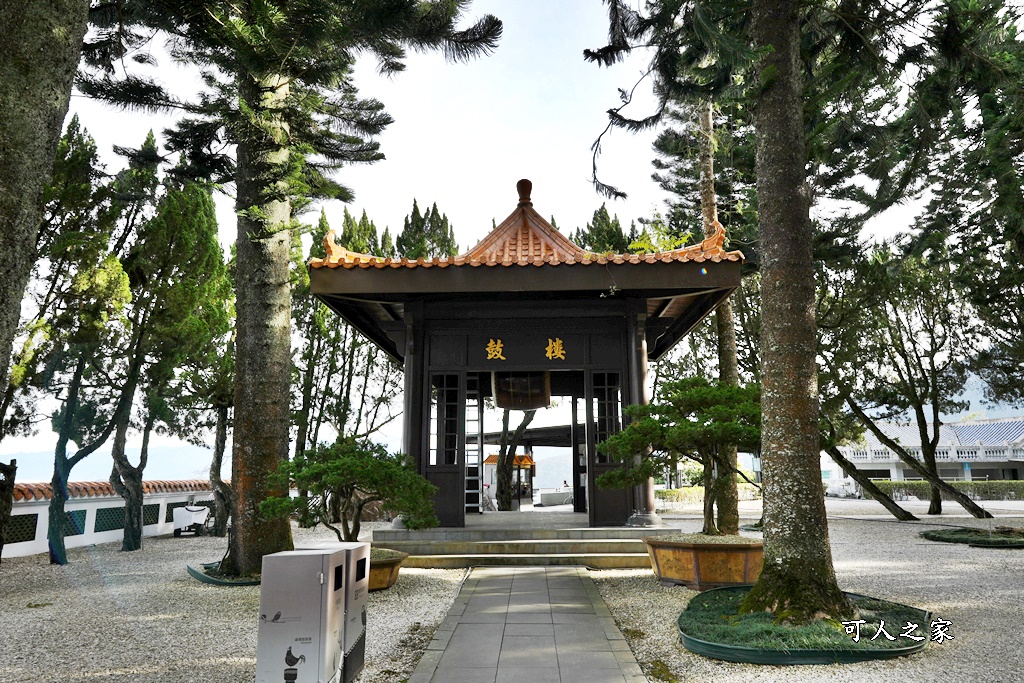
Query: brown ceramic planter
[701,566]
[384,573]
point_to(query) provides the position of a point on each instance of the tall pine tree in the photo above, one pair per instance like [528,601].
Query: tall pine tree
[279,88]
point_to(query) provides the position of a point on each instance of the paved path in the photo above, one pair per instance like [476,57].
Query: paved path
[535,624]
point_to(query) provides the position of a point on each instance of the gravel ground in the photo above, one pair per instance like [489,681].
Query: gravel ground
[118,617]
[980,591]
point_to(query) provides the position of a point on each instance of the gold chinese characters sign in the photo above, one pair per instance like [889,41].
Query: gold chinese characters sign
[494,348]
[525,350]
[555,349]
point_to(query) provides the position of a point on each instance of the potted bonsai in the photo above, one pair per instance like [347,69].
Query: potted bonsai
[693,419]
[344,478]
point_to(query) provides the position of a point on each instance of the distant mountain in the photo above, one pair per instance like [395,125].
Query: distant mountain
[553,467]
[165,462]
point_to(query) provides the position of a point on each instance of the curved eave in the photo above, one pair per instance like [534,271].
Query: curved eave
[679,294]
[403,284]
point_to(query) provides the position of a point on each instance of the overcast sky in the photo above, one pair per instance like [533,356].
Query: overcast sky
[463,135]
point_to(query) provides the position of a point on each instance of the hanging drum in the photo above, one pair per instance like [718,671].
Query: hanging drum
[521,390]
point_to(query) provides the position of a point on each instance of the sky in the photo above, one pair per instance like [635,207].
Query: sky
[463,135]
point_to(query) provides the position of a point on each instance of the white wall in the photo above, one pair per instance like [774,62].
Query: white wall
[40,508]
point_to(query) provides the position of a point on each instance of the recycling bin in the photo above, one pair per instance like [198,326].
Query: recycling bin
[301,633]
[357,588]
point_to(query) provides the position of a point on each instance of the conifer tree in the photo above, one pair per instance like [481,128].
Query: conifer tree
[387,245]
[178,311]
[700,51]
[604,234]
[426,235]
[87,354]
[279,89]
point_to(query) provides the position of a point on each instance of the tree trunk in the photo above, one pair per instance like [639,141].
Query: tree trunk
[38,58]
[865,483]
[798,581]
[916,465]
[55,525]
[706,144]
[7,473]
[711,489]
[223,499]
[306,406]
[62,464]
[62,469]
[504,467]
[506,456]
[127,481]
[263,328]
[727,498]
[935,499]
[726,495]
[306,393]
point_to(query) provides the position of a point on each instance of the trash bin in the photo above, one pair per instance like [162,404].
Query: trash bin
[357,589]
[301,636]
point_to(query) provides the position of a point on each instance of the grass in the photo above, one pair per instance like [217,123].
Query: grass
[980,537]
[385,553]
[704,538]
[659,670]
[714,617]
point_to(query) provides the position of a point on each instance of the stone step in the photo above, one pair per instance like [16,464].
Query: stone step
[592,560]
[556,546]
[386,536]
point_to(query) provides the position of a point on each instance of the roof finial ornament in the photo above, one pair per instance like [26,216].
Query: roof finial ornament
[525,187]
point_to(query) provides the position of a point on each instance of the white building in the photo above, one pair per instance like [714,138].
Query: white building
[973,449]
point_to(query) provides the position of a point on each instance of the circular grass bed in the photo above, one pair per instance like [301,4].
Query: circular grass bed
[712,626]
[978,538]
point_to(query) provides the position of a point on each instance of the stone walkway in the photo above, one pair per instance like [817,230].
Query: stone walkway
[537,624]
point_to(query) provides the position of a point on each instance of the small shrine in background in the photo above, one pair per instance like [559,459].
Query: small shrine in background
[524,316]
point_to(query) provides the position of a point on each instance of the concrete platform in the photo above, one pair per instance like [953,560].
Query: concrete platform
[591,560]
[522,539]
[538,624]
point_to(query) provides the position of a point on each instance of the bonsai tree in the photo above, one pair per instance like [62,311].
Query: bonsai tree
[344,477]
[690,418]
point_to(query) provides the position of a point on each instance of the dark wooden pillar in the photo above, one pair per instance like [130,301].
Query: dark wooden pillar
[577,440]
[414,425]
[636,394]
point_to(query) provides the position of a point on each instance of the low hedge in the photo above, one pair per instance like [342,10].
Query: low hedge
[694,495]
[978,490]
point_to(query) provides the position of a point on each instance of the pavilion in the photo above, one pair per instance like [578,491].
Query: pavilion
[523,316]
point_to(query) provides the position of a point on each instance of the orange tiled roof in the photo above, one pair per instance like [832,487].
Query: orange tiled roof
[526,239]
[92,489]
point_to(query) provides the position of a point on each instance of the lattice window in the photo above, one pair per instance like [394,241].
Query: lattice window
[608,404]
[22,528]
[74,523]
[444,420]
[109,519]
[151,514]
